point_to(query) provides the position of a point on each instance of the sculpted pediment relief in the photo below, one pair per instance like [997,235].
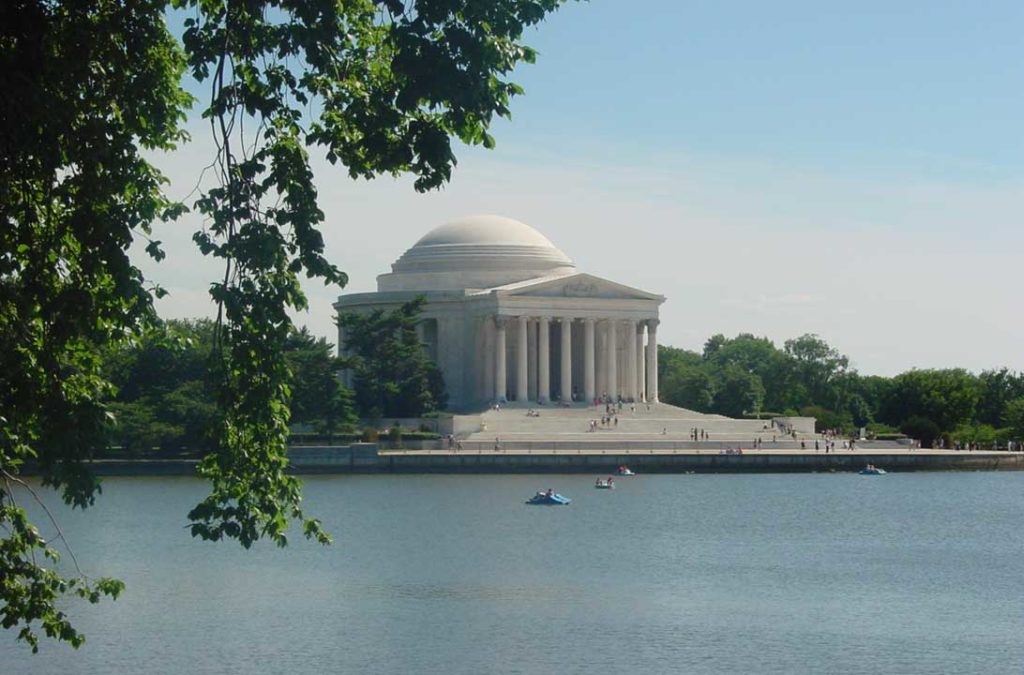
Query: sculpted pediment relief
[581,286]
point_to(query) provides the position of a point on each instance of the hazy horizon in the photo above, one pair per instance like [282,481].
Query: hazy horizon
[850,172]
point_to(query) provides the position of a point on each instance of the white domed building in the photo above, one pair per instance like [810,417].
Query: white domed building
[510,318]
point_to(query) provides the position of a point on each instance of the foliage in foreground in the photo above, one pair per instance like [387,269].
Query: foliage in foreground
[87,88]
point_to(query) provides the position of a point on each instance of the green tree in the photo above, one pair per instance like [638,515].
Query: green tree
[825,419]
[922,429]
[163,387]
[739,392]
[858,410]
[688,388]
[318,399]
[819,368]
[1013,417]
[713,344]
[673,358]
[997,389]
[753,355]
[872,389]
[393,375]
[379,87]
[946,397]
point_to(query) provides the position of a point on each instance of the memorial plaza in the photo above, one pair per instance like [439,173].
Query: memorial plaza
[532,349]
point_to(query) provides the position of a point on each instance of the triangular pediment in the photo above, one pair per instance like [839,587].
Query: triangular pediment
[579,285]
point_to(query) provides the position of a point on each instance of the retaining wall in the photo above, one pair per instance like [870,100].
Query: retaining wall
[365,458]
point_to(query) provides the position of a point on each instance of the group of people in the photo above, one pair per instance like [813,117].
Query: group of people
[698,434]
[830,445]
[606,421]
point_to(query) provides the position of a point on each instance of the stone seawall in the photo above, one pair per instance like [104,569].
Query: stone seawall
[365,458]
[698,463]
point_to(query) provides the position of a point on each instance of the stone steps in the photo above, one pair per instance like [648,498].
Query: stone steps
[658,422]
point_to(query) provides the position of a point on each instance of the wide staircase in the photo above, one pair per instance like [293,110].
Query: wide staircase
[630,422]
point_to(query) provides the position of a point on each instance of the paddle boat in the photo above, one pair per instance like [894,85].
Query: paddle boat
[605,484]
[625,471]
[872,470]
[548,498]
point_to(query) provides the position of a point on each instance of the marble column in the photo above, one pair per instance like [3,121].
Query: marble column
[486,392]
[532,390]
[522,363]
[588,360]
[544,360]
[631,390]
[611,374]
[500,384]
[652,361]
[566,387]
[639,351]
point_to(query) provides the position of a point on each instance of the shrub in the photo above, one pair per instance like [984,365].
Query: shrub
[828,419]
[395,435]
[763,415]
[921,428]
[370,435]
[879,429]
[982,434]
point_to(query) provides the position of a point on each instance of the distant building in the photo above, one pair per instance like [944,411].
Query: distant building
[510,318]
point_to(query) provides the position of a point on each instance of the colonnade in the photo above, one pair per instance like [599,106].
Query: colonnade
[626,368]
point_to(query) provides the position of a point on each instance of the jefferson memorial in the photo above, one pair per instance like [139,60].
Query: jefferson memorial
[510,318]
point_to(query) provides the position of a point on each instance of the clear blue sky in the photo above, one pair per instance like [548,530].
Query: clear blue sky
[775,168]
[929,88]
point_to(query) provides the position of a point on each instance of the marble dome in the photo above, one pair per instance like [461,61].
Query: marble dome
[480,251]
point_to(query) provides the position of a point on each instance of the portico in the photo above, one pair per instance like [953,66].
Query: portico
[509,318]
[621,370]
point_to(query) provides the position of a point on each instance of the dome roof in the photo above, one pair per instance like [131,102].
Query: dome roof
[480,251]
[485,229]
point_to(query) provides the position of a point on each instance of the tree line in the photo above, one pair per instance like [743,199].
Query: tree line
[165,398]
[164,394]
[748,376]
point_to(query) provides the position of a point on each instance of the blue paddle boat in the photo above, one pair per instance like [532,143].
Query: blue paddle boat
[548,498]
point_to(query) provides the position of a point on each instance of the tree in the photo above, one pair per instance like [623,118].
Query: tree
[998,388]
[393,375]
[820,368]
[688,388]
[1014,417]
[318,399]
[946,397]
[739,393]
[825,419]
[859,410]
[713,344]
[379,86]
[922,429]
[163,388]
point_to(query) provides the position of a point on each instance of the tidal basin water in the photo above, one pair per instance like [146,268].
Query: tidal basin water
[820,573]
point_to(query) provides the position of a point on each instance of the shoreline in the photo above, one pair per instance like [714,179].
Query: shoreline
[366,459]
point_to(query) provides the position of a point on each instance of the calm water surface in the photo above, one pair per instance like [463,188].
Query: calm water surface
[823,573]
